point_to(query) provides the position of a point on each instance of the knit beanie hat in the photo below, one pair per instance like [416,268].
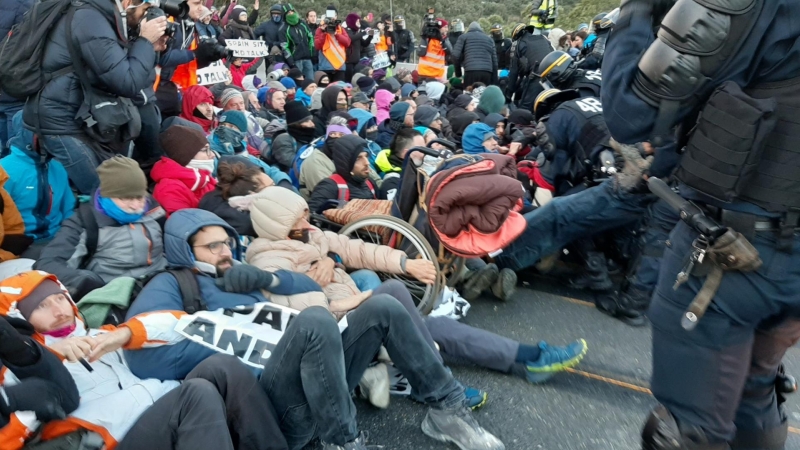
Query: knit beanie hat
[288,83]
[395,84]
[360,97]
[456,83]
[386,87]
[492,100]
[295,74]
[228,95]
[236,118]
[366,84]
[379,75]
[398,112]
[415,76]
[296,112]
[181,144]
[425,115]
[121,177]
[45,289]
[277,85]
[333,128]
[332,8]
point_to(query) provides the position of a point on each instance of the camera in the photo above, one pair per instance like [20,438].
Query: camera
[155,12]
[431,28]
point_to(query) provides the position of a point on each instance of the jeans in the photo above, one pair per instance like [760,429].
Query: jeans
[307,67]
[720,377]
[365,280]
[312,370]
[566,219]
[77,157]
[7,131]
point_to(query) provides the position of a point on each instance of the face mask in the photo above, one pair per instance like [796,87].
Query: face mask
[61,332]
[372,135]
[292,19]
[290,98]
[115,212]
[299,235]
[276,19]
[341,106]
[203,164]
[230,136]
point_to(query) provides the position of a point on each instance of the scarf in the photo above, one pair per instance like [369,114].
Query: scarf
[110,209]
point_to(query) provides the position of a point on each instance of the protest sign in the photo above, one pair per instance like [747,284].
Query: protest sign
[214,73]
[381,60]
[408,66]
[247,49]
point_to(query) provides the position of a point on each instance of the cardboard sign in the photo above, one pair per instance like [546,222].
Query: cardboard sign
[381,60]
[214,73]
[408,66]
[247,49]
[248,332]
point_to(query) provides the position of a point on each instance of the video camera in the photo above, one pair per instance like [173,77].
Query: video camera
[330,21]
[431,28]
[177,9]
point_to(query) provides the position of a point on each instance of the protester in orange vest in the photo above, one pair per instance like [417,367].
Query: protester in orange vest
[433,51]
[332,42]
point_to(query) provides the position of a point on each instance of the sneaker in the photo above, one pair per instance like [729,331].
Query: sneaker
[374,385]
[459,427]
[506,285]
[480,281]
[452,305]
[359,443]
[555,359]
[398,384]
[476,398]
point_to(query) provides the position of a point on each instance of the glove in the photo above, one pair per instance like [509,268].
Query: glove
[34,394]
[244,279]
[209,51]
[630,178]
[543,141]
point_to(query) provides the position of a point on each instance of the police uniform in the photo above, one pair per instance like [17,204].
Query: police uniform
[587,82]
[529,51]
[716,383]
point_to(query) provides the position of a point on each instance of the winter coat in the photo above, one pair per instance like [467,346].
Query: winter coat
[209,31]
[284,149]
[179,187]
[11,13]
[386,132]
[274,215]
[40,187]
[162,293]
[135,250]
[269,32]
[299,41]
[192,97]
[383,103]
[391,168]
[328,98]
[359,41]
[404,44]
[319,41]
[345,151]
[317,167]
[112,63]
[236,30]
[225,150]
[238,73]
[239,220]
[475,51]
[12,223]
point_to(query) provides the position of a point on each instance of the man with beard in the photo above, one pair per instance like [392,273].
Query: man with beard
[351,179]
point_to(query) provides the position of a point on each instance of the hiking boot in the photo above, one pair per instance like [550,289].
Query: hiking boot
[506,285]
[480,281]
[476,398]
[628,306]
[595,276]
[546,264]
[459,427]
[374,385]
[555,359]
[359,443]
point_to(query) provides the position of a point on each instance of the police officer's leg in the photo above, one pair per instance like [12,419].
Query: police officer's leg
[760,421]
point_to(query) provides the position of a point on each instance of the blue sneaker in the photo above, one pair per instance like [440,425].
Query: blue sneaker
[476,398]
[555,359]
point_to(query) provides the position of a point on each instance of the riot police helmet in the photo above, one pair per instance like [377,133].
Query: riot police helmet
[557,68]
[549,99]
[518,30]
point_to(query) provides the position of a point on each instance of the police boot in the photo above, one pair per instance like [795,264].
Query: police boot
[595,276]
[773,439]
[628,305]
[785,384]
[661,432]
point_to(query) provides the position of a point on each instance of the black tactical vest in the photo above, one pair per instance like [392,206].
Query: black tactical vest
[594,132]
[502,47]
[536,48]
[588,83]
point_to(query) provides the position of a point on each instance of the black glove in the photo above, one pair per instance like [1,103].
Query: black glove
[16,348]
[244,279]
[37,395]
[209,51]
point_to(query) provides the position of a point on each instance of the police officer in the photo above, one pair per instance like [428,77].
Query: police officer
[560,71]
[592,53]
[501,45]
[716,382]
[404,40]
[530,49]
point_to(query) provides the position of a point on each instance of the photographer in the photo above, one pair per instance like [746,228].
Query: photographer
[404,40]
[332,41]
[360,38]
[434,49]
[475,52]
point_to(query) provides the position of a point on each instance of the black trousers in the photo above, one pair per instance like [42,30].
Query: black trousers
[220,406]
[335,75]
[478,76]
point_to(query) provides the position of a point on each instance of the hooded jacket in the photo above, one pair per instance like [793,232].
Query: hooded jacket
[472,140]
[12,223]
[239,220]
[492,101]
[274,213]
[162,293]
[134,250]
[40,186]
[179,187]
[269,31]
[383,103]
[113,64]
[459,106]
[359,40]
[192,97]
[475,51]
[329,96]
[460,124]
[345,152]
[298,40]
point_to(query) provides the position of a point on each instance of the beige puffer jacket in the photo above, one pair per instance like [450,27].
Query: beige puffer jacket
[274,213]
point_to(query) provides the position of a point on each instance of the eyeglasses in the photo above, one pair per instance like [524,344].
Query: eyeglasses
[216,247]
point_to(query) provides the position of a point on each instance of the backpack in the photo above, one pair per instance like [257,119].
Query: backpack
[22,51]
[302,154]
[344,189]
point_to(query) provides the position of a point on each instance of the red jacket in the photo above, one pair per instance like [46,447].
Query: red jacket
[238,73]
[340,35]
[179,187]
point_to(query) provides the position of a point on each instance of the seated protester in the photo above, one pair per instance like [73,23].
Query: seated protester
[492,100]
[39,188]
[480,138]
[409,91]
[219,404]
[198,239]
[435,90]
[306,91]
[273,105]
[287,241]
[334,98]
[299,132]
[366,85]
[460,124]
[367,129]
[186,173]
[362,102]
[229,139]
[423,100]
[463,103]
[383,103]
[291,88]
[498,123]
[198,107]
[124,219]
[297,75]
[251,84]
[319,165]
[239,69]
[428,117]
[401,115]
[390,161]
[351,179]
[238,180]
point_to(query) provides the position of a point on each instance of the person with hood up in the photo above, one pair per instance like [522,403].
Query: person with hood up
[368,130]
[319,164]
[475,52]
[383,103]
[251,83]
[334,98]
[491,101]
[462,104]
[479,138]
[205,29]
[297,40]
[359,41]
[185,174]
[332,41]
[219,403]
[270,30]
[305,92]
[198,107]
[409,91]
[401,115]
[239,26]
[460,124]
[435,90]
[129,234]
[39,188]
[351,177]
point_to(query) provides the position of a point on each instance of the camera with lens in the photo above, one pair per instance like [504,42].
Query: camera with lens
[155,12]
[431,27]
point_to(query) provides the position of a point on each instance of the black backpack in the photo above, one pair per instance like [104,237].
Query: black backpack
[22,51]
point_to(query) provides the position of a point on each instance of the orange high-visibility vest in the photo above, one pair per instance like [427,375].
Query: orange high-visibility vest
[334,51]
[186,74]
[158,78]
[433,65]
[383,45]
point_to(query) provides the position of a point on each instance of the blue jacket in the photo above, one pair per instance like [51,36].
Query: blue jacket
[224,149]
[162,293]
[301,97]
[472,141]
[39,186]
[11,12]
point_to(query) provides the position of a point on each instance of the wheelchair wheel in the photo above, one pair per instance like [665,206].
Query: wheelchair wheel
[401,236]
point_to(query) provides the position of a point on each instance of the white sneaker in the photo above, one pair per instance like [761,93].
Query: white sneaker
[374,385]
[453,305]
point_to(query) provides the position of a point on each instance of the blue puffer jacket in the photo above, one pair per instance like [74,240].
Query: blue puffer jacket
[39,187]
[11,12]
[112,65]
[162,293]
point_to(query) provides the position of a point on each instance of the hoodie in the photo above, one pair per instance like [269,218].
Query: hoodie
[192,97]
[269,31]
[329,96]
[179,187]
[492,101]
[345,152]
[383,102]
[162,293]
[473,138]
[460,124]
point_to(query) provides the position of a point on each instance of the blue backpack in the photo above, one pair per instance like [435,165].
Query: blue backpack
[302,154]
